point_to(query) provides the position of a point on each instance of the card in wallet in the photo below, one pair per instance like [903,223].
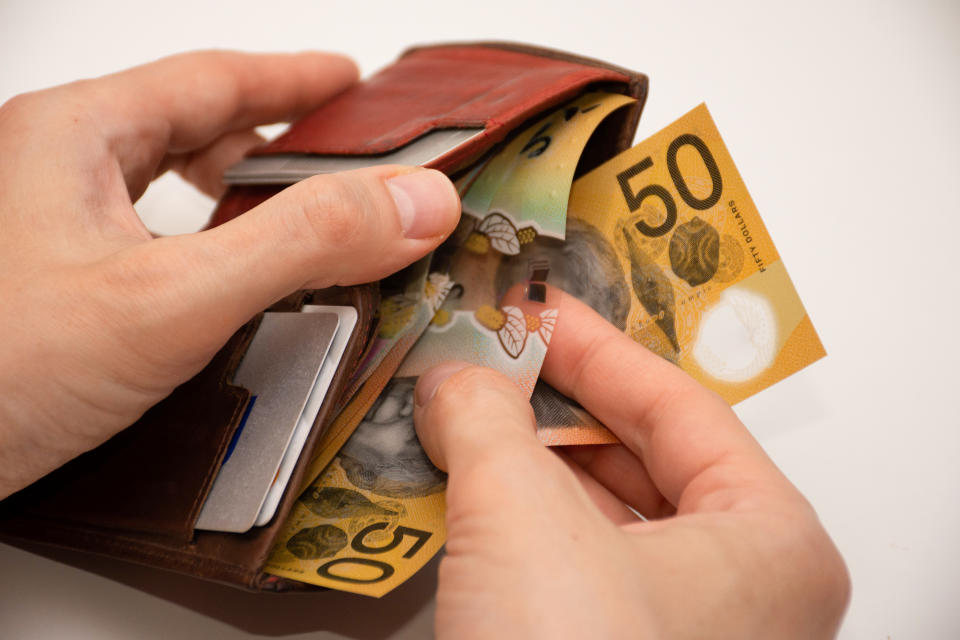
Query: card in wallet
[280,368]
[139,495]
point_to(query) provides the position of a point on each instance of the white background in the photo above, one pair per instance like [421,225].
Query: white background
[843,120]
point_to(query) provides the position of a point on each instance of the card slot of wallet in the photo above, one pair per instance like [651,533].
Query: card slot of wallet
[224,554]
[153,476]
[138,499]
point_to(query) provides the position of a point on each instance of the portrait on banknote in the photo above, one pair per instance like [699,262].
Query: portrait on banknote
[383,455]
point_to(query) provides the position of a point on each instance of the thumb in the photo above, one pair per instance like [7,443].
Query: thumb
[478,426]
[336,229]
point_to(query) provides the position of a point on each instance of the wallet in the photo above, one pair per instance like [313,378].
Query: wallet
[138,496]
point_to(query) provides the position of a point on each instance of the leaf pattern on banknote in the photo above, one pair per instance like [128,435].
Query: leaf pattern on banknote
[501,232]
[548,322]
[513,333]
[436,290]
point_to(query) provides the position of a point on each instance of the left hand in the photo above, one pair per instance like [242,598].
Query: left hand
[100,320]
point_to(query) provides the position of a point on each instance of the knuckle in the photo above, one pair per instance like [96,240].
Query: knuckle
[841,587]
[334,211]
[837,586]
[18,107]
[818,570]
[215,75]
[215,62]
[832,580]
[471,382]
[60,113]
[208,56]
[679,401]
[483,389]
[27,108]
[221,67]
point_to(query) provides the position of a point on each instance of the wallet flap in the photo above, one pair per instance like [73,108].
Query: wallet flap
[493,86]
[436,88]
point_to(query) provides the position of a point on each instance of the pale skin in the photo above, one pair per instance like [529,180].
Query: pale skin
[542,544]
[101,320]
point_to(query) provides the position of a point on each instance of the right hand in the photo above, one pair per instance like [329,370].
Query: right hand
[540,544]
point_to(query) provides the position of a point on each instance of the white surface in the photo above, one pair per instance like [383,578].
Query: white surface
[843,120]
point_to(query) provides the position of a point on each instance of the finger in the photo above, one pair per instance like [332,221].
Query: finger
[696,451]
[477,425]
[614,467]
[185,102]
[621,472]
[204,167]
[336,229]
[606,501]
[197,96]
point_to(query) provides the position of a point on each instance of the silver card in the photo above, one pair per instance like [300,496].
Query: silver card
[279,369]
[290,168]
[348,320]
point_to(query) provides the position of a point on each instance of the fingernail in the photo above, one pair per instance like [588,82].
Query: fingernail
[430,381]
[427,203]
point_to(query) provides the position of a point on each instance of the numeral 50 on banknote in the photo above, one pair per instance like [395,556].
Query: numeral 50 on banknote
[676,237]
[635,199]
[352,569]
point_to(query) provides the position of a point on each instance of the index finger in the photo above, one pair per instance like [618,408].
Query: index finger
[697,452]
[185,102]
[193,98]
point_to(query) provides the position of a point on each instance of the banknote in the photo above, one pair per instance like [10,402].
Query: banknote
[407,299]
[405,314]
[518,198]
[663,240]
[531,178]
[522,192]
[666,243]
[470,257]
[375,515]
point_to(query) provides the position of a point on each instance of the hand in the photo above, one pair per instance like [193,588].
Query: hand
[100,320]
[540,544]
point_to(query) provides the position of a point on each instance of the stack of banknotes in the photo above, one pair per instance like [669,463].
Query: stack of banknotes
[663,240]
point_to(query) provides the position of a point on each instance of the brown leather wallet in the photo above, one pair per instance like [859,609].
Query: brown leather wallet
[138,495]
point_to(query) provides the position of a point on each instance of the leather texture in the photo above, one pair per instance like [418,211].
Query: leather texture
[138,495]
[492,85]
[192,427]
[427,89]
[114,520]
